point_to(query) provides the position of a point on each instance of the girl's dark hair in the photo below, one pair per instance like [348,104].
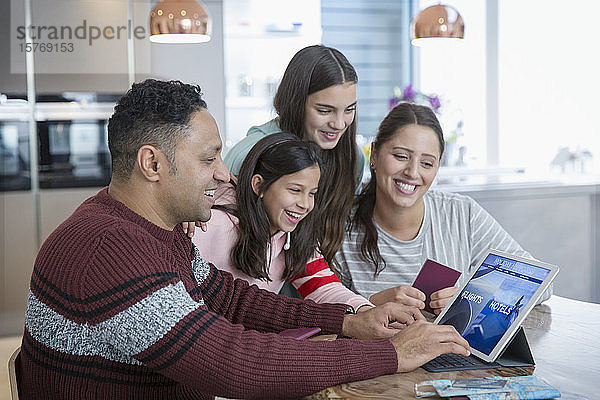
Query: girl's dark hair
[272,157]
[312,69]
[400,116]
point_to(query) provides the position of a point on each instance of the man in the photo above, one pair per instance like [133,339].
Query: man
[121,305]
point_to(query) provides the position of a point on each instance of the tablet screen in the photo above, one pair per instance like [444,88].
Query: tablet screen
[492,299]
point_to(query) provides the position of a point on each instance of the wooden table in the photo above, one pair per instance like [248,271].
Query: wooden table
[564,336]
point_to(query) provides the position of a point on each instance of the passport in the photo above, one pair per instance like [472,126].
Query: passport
[432,277]
[300,333]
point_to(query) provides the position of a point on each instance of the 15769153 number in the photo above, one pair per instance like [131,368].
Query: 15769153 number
[43,47]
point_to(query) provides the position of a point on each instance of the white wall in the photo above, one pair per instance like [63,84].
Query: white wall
[202,64]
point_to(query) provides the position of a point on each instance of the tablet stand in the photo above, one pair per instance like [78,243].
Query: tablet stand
[517,353]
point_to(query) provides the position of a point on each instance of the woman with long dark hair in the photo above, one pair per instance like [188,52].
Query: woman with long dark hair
[316,101]
[398,222]
[263,227]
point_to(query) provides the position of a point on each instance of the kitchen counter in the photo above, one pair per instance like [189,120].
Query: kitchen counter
[556,219]
[461,180]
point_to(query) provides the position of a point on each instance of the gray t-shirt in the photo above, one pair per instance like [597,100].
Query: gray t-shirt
[456,232]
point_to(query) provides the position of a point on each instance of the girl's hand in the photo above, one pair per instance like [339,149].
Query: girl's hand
[190,227]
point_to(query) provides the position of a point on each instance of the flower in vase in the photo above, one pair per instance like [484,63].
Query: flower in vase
[435,103]
[410,95]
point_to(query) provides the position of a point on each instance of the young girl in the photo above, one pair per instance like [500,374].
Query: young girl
[316,101]
[398,222]
[262,228]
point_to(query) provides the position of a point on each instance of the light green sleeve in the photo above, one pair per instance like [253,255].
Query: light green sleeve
[236,155]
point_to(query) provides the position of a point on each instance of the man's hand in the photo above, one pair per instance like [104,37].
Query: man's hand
[440,298]
[403,294]
[376,323]
[424,341]
[190,228]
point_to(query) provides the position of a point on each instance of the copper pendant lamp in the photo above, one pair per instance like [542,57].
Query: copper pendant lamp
[440,21]
[180,21]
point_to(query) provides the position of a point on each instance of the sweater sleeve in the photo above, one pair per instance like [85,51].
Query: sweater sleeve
[241,303]
[206,352]
[320,284]
[206,336]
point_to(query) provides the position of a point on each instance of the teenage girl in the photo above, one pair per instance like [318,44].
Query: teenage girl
[316,101]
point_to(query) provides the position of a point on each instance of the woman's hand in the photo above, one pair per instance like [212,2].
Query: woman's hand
[440,298]
[403,294]
[190,228]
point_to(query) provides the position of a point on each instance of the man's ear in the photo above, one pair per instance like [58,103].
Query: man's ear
[256,182]
[150,161]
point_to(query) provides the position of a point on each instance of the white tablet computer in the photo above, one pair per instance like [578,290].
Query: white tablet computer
[488,308]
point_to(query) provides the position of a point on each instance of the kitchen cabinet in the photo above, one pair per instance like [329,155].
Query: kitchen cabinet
[19,244]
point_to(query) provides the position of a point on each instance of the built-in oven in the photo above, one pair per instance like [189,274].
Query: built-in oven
[73,153]
[15,172]
[72,144]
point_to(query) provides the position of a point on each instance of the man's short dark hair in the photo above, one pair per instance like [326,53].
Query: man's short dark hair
[151,112]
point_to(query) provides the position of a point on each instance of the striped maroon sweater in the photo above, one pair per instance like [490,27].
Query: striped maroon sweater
[119,308]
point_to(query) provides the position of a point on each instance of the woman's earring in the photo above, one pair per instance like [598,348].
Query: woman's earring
[286,246]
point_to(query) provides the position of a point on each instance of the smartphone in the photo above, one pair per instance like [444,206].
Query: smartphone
[432,277]
[300,333]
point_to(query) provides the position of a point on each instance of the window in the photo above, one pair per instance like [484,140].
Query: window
[545,73]
[549,85]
